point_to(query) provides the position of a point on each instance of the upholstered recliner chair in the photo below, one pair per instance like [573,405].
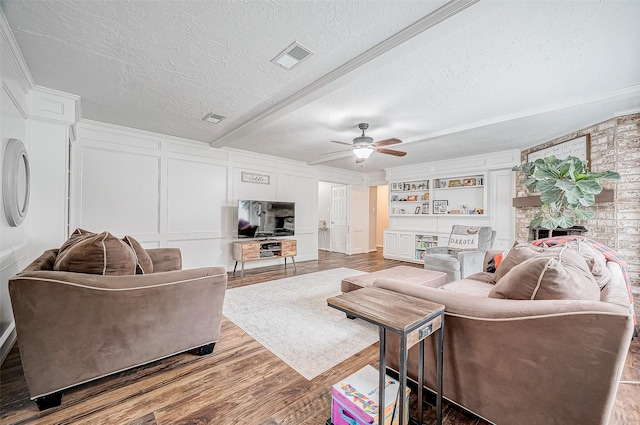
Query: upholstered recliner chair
[464,253]
[75,327]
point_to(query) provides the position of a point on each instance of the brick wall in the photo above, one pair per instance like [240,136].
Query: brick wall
[615,145]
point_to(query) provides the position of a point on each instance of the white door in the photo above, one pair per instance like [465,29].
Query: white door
[339,219]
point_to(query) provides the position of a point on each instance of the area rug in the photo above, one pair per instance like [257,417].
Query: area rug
[291,318]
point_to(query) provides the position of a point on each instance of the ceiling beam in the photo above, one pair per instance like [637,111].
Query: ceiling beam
[325,84]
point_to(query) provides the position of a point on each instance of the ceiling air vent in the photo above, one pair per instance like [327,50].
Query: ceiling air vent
[213,118]
[292,55]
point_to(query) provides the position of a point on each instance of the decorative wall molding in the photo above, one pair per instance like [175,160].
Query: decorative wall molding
[16,60]
[53,105]
[468,164]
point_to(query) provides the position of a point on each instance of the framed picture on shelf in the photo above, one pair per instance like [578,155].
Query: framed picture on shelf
[471,181]
[425,208]
[455,183]
[417,211]
[440,207]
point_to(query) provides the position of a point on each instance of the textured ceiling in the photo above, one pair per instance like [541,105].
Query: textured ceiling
[493,76]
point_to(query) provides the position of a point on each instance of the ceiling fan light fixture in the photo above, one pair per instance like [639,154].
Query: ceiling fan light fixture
[363,152]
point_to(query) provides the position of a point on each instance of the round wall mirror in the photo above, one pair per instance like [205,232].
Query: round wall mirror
[15,182]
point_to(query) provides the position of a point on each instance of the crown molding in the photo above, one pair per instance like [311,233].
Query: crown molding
[16,60]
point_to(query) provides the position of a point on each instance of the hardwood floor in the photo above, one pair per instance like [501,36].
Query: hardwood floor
[240,383]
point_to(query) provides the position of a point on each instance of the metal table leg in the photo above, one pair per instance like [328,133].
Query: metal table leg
[420,381]
[440,363]
[382,375]
[403,378]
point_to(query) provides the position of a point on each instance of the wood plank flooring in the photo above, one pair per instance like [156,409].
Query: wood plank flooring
[240,383]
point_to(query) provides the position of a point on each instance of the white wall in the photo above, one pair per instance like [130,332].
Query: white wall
[166,191]
[382,213]
[373,217]
[16,83]
[52,116]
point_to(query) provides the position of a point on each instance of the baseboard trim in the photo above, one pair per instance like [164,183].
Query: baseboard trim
[8,339]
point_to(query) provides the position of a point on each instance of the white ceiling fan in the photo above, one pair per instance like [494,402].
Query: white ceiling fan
[363,146]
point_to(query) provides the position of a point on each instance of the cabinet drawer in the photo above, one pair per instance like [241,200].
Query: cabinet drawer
[288,248]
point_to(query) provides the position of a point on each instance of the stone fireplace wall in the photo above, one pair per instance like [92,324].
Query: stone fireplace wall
[615,145]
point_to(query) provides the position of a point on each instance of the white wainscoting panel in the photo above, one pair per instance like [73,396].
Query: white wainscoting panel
[203,252]
[501,191]
[304,192]
[196,197]
[119,191]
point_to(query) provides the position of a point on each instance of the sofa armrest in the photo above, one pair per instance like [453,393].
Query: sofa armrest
[437,250]
[165,259]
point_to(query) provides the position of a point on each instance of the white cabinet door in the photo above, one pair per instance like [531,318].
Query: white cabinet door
[407,243]
[390,247]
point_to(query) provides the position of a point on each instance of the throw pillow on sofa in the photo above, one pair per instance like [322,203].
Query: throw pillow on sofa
[595,260]
[76,236]
[558,273]
[144,265]
[101,253]
[519,252]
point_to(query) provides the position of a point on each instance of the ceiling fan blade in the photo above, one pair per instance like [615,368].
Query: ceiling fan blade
[342,143]
[391,152]
[359,160]
[387,142]
[331,153]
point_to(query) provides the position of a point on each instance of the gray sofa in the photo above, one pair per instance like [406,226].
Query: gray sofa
[77,327]
[526,361]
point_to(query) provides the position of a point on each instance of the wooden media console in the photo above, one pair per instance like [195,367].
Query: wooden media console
[268,249]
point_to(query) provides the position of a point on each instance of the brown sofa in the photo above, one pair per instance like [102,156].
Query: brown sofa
[76,327]
[534,361]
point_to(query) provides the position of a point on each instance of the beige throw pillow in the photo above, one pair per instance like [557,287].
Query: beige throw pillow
[595,260]
[559,273]
[519,252]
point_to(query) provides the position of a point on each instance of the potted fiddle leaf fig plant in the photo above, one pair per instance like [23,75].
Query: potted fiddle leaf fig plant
[567,188]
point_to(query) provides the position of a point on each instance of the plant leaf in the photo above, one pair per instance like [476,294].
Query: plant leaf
[584,214]
[548,223]
[588,199]
[589,186]
[565,221]
[536,222]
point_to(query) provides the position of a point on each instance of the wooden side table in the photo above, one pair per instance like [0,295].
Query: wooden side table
[413,319]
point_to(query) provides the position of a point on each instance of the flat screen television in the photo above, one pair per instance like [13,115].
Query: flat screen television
[265,219]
